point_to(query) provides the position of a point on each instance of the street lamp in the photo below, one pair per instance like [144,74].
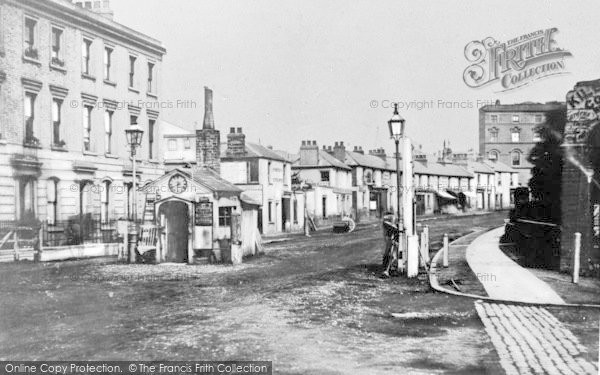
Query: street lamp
[396,127]
[134,138]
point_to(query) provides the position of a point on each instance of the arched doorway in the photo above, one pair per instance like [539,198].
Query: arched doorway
[176,223]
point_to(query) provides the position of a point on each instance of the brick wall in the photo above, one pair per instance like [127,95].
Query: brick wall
[208,144]
[576,214]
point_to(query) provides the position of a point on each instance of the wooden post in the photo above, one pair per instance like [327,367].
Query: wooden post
[236,238]
[426,231]
[423,257]
[576,254]
[16,244]
[38,254]
[445,253]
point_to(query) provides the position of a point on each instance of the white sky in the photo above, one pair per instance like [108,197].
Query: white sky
[292,70]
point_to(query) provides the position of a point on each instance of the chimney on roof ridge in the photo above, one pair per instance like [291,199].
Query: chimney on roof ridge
[309,153]
[236,142]
[339,151]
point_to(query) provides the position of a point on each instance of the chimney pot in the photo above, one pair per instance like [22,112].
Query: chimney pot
[239,130]
[335,145]
[341,144]
[303,143]
[231,130]
[314,143]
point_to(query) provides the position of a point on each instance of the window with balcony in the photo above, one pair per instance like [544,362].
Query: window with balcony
[108,130]
[107,63]
[56,53]
[132,60]
[87,128]
[86,47]
[30,35]
[29,107]
[56,121]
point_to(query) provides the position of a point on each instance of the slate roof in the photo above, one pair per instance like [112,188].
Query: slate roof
[325,160]
[213,181]
[499,166]
[480,167]
[370,161]
[253,150]
[440,169]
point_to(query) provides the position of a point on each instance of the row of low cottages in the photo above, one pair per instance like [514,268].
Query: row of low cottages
[332,182]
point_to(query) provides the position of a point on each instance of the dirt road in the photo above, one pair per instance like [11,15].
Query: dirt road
[312,306]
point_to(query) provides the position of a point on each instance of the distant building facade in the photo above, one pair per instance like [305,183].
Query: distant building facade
[508,132]
[266,177]
[330,181]
[71,82]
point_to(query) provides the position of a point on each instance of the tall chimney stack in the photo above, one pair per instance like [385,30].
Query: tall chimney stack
[208,139]
[209,121]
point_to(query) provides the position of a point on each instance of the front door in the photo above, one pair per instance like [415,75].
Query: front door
[285,213]
[177,230]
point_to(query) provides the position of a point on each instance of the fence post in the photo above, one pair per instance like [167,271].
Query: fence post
[445,251]
[426,231]
[576,253]
[38,254]
[16,243]
[423,250]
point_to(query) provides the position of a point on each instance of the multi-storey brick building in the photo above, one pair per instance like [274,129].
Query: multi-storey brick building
[71,82]
[508,132]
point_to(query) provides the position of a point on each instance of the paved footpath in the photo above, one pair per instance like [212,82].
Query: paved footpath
[530,340]
[501,277]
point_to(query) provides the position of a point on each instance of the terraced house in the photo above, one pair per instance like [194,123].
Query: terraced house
[71,81]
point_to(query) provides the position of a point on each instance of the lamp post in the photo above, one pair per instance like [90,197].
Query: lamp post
[134,138]
[396,127]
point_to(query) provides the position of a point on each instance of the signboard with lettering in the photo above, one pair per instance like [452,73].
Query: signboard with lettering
[203,214]
[583,107]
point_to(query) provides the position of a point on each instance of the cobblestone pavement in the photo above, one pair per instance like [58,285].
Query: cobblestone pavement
[530,340]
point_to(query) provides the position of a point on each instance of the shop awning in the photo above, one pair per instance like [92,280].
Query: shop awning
[445,195]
